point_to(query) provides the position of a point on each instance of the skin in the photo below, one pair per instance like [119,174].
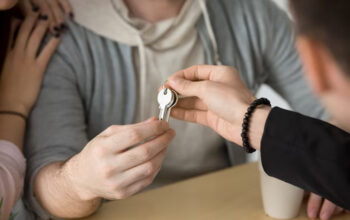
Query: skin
[215,89]
[22,72]
[110,166]
[7,4]
[152,11]
[331,84]
[55,10]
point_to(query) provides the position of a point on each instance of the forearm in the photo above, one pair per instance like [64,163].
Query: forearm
[12,128]
[12,170]
[308,153]
[56,193]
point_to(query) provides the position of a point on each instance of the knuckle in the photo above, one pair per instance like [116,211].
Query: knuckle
[100,151]
[106,171]
[112,129]
[121,194]
[145,153]
[148,181]
[111,186]
[197,67]
[134,136]
[103,150]
[149,168]
[158,127]
[42,26]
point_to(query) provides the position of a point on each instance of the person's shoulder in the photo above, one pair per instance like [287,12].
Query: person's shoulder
[243,4]
[254,8]
[77,41]
[74,35]
[256,15]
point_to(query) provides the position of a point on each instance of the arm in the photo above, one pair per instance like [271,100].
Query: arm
[54,190]
[314,155]
[283,67]
[69,176]
[57,132]
[12,169]
[298,149]
[20,83]
[285,75]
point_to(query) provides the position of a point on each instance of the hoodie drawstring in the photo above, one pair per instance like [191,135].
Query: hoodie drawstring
[143,73]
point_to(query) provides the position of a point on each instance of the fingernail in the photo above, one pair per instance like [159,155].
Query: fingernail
[55,28]
[63,26]
[325,216]
[71,15]
[35,8]
[312,213]
[57,35]
[174,81]
[43,17]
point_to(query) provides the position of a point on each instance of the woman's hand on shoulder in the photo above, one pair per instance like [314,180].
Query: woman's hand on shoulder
[52,10]
[25,63]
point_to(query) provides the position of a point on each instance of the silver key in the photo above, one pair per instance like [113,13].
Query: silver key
[167,99]
[176,98]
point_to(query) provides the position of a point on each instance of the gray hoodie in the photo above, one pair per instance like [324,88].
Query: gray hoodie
[91,83]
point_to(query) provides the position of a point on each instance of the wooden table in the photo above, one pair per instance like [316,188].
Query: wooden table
[232,194]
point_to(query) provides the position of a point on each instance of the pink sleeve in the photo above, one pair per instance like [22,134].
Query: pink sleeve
[12,169]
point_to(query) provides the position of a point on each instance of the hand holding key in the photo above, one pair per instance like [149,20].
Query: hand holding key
[112,167]
[219,99]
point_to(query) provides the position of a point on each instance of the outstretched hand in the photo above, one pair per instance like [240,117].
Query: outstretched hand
[217,98]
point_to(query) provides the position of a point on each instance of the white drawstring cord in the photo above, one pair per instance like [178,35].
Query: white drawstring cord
[143,72]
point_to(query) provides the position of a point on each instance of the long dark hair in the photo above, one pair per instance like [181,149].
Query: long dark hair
[5,24]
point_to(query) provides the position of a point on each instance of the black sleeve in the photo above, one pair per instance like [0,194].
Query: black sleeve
[308,153]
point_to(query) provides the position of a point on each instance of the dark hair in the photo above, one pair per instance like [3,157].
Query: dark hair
[327,21]
[5,24]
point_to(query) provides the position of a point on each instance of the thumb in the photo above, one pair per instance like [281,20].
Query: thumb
[186,87]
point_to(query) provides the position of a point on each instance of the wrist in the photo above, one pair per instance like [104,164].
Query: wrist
[70,170]
[13,107]
[257,125]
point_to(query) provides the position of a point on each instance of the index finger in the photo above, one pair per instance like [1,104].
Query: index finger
[194,73]
[122,138]
[222,74]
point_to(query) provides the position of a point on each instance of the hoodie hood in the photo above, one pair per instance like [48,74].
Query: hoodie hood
[111,19]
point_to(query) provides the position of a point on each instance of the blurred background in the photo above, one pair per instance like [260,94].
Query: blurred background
[266,91]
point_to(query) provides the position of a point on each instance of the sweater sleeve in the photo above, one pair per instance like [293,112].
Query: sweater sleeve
[57,126]
[283,67]
[12,169]
[308,153]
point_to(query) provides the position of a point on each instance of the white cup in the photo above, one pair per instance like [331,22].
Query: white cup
[281,200]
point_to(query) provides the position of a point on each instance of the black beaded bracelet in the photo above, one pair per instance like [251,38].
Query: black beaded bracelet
[245,126]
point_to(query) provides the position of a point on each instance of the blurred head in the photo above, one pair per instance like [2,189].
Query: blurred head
[154,10]
[324,45]
[7,4]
